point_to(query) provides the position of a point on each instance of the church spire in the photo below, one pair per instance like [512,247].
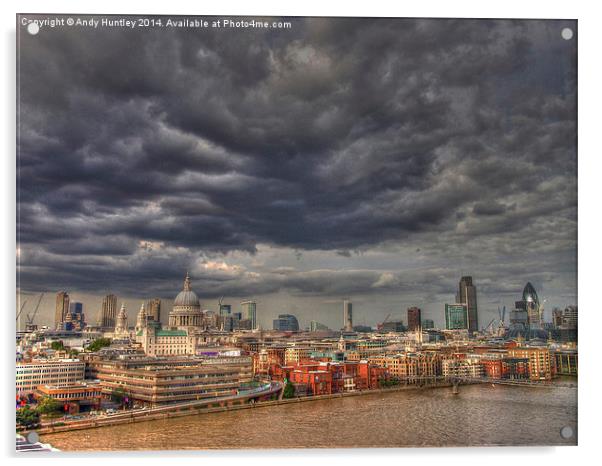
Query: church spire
[187,282]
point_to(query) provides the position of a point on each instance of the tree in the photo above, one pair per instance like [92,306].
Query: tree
[98,344]
[289,390]
[48,405]
[28,418]
[118,395]
[57,345]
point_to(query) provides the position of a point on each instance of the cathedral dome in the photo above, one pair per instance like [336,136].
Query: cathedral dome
[187,297]
[186,311]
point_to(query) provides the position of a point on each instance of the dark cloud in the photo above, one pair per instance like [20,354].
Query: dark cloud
[339,135]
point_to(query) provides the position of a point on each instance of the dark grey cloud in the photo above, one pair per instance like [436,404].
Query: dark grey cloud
[455,138]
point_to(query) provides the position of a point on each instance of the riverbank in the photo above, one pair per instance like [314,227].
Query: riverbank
[190,409]
[481,414]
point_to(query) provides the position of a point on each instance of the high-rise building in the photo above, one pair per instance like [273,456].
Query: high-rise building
[76,315]
[414,319]
[249,310]
[569,317]
[428,324]
[61,309]
[225,310]
[108,312]
[153,309]
[456,317]
[533,307]
[467,295]
[348,316]
[557,319]
[286,323]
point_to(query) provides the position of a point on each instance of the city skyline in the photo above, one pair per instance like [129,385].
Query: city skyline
[304,169]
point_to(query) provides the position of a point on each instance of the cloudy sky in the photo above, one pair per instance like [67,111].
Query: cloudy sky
[375,159]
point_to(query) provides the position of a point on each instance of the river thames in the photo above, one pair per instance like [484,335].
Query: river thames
[478,415]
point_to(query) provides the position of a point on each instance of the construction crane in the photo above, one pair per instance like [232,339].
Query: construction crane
[489,325]
[380,326]
[21,310]
[30,326]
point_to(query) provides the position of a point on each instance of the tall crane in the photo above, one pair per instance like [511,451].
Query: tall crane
[380,326]
[30,326]
[21,310]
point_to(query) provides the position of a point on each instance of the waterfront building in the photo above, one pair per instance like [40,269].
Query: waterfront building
[466,367]
[414,319]
[249,311]
[467,295]
[540,361]
[76,396]
[121,325]
[286,323]
[347,316]
[456,317]
[31,375]
[61,309]
[153,307]
[161,381]
[186,312]
[566,362]
[428,324]
[108,312]
[409,366]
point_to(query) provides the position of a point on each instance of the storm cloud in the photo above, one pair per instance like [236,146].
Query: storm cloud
[341,157]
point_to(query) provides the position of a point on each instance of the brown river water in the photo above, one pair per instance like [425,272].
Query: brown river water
[478,415]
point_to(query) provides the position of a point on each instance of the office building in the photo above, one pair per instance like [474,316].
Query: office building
[428,324]
[414,319]
[467,295]
[456,317]
[286,323]
[153,309]
[161,381]
[108,312]
[249,311]
[30,375]
[348,316]
[532,306]
[61,309]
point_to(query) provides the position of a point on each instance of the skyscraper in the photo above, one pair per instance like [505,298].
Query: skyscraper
[348,316]
[153,307]
[534,311]
[249,309]
[61,309]
[456,317]
[467,294]
[108,312]
[414,319]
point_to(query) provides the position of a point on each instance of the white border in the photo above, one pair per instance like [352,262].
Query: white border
[589,208]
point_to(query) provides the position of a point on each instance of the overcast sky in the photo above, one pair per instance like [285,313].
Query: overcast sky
[375,159]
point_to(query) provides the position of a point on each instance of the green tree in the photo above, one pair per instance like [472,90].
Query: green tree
[27,417]
[57,345]
[118,395]
[289,390]
[48,405]
[98,344]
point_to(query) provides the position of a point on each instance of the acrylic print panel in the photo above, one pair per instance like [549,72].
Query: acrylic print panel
[251,230]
